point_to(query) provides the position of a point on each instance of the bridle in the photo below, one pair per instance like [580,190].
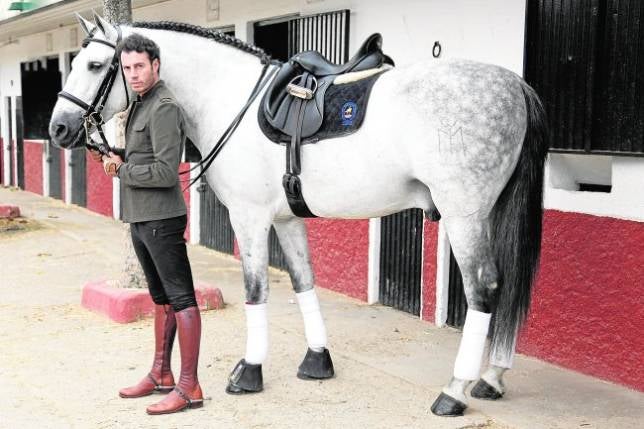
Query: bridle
[92,116]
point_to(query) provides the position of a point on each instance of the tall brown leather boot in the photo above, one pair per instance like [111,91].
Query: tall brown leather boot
[187,393]
[160,378]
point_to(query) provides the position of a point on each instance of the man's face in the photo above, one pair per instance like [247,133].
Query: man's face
[140,73]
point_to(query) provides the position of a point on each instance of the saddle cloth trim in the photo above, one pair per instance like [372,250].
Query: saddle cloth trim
[359,75]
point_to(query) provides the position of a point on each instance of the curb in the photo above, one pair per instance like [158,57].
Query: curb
[130,305]
[9,212]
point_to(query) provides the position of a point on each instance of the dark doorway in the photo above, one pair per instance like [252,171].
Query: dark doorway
[272,37]
[401,260]
[584,59]
[77,162]
[215,230]
[456,302]
[10,144]
[55,171]
[41,82]
[20,144]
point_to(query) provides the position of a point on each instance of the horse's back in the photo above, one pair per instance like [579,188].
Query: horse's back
[447,134]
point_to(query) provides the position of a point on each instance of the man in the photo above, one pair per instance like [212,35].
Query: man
[152,202]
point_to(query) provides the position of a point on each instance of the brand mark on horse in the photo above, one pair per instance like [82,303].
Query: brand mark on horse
[450,140]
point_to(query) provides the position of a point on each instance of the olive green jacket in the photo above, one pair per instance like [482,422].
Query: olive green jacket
[154,141]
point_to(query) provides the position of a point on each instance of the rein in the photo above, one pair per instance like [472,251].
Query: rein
[92,115]
[205,162]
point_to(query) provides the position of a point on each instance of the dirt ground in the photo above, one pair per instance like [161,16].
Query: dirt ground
[61,366]
[10,226]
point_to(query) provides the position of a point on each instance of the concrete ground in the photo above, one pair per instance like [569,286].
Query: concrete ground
[61,366]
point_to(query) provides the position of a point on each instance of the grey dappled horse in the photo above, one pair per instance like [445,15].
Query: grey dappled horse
[464,138]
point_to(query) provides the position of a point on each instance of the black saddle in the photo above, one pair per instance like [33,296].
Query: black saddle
[310,70]
[293,108]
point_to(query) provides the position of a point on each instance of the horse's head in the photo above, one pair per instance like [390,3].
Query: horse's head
[88,86]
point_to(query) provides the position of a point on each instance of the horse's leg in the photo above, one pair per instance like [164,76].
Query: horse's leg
[472,249]
[317,363]
[491,386]
[251,230]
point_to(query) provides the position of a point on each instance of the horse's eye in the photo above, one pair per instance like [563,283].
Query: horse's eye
[94,66]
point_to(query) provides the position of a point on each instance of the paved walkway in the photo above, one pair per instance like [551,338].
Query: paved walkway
[61,366]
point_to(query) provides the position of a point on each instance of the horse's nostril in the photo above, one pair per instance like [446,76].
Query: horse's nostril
[60,130]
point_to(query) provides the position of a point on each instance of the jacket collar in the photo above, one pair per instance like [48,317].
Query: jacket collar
[151,91]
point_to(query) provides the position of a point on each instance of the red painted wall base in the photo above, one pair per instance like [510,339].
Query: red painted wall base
[588,304]
[33,160]
[430,245]
[99,188]
[340,255]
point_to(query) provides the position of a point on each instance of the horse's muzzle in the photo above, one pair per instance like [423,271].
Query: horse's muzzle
[65,132]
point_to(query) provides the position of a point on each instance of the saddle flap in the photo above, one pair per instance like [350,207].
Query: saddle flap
[285,119]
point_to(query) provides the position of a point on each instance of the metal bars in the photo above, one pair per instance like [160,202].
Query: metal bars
[327,33]
[215,229]
[401,260]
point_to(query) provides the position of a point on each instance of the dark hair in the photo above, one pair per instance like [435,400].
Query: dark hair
[139,43]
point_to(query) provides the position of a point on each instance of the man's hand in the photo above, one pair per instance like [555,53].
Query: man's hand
[95,155]
[111,164]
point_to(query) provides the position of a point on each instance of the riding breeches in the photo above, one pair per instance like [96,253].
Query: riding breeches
[161,249]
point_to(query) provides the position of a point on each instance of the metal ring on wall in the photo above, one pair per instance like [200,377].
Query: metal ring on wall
[437,49]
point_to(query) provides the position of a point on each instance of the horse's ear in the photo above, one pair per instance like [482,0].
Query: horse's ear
[105,27]
[85,25]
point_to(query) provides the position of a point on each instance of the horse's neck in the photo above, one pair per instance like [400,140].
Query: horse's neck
[210,80]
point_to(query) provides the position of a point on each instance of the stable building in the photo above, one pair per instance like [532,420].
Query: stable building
[583,58]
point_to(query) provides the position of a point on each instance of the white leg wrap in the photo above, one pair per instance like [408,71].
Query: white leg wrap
[313,324]
[470,352]
[503,358]
[257,333]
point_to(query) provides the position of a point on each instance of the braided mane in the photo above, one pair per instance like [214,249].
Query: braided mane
[216,35]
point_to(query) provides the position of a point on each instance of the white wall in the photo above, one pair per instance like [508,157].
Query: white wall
[624,174]
[490,31]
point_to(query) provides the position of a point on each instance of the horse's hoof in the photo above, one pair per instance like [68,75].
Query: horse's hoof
[483,390]
[316,366]
[446,406]
[245,378]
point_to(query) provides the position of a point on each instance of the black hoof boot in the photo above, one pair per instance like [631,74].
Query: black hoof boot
[245,378]
[483,390]
[316,366]
[446,406]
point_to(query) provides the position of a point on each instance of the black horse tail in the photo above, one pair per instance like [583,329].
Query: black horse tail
[516,226]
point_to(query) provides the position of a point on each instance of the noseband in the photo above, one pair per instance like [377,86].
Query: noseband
[92,115]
